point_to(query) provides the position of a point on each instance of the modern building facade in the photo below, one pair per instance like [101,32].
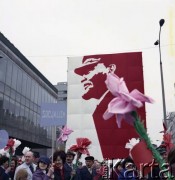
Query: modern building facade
[22,91]
[62,91]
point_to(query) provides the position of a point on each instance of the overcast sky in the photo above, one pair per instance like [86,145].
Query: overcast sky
[49,31]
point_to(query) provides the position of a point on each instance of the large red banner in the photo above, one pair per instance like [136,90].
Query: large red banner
[93,72]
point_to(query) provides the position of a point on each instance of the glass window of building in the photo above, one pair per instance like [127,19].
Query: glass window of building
[19,81]
[6,102]
[37,93]
[3,64]
[1,101]
[24,84]
[28,90]
[12,106]
[14,76]
[1,87]
[32,90]
[17,109]
[9,73]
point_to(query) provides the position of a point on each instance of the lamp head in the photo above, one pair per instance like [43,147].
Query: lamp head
[156,43]
[161,22]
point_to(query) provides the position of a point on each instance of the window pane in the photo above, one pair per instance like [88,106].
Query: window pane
[28,87]
[19,81]
[7,90]
[1,101]
[17,109]
[2,69]
[13,94]
[18,97]
[12,106]
[33,90]
[1,87]
[14,76]
[9,73]
[6,102]
[24,83]
[37,93]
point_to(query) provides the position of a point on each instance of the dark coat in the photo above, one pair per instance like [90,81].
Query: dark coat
[84,174]
[66,172]
[3,175]
[69,169]
[39,175]
[126,174]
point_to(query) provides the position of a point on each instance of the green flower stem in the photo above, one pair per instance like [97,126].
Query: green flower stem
[143,134]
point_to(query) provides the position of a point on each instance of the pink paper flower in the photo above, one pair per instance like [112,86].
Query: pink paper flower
[64,134]
[124,101]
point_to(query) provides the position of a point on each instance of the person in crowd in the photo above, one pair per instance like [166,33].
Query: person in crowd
[36,156]
[171,160]
[69,166]
[21,174]
[60,172]
[4,168]
[129,170]
[79,165]
[43,170]
[101,169]
[155,172]
[13,165]
[117,169]
[87,172]
[28,165]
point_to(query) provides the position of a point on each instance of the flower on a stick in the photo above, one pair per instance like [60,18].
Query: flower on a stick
[65,132]
[81,146]
[124,101]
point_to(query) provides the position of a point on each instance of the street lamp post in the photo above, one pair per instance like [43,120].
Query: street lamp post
[161,22]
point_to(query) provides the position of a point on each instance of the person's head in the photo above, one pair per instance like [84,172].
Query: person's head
[36,156]
[94,72]
[29,158]
[70,156]
[171,156]
[59,158]
[4,161]
[21,174]
[128,163]
[163,152]
[89,161]
[171,160]
[13,163]
[96,164]
[43,162]
[80,165]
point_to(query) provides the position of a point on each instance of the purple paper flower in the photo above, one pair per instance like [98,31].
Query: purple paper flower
[64,134]
[124,101]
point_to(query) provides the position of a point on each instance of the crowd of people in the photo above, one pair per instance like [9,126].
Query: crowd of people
[65,166]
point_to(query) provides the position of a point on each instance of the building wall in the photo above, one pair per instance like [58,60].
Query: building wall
[62,91]
[22,90]
[62,96]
